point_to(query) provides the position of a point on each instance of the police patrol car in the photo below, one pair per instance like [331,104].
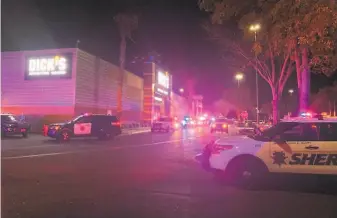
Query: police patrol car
[296,145]
[163,124]
[87,125]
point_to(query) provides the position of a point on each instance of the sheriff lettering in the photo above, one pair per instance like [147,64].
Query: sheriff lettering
[313,159]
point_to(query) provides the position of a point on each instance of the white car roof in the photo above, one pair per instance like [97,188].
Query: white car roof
[310,120]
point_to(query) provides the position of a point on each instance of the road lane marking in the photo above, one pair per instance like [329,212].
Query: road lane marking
[81,151]
[21,148]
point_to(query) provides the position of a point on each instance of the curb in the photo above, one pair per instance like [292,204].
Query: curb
[133,132]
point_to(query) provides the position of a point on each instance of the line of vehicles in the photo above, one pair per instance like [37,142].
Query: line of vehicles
[105,126]
[101,126]
[219,124]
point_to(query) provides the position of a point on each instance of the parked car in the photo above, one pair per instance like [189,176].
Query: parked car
[12,126]
[89,125]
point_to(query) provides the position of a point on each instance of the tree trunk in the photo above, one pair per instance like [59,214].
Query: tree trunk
[122,72]
[299,76]
[305,83]
[275,104]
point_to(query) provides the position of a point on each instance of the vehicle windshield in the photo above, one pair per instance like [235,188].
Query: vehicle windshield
[269,133]
[8,118]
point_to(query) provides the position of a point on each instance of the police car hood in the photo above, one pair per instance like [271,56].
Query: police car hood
[236,140]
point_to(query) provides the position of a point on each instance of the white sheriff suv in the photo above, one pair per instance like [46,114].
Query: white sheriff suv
[296,145]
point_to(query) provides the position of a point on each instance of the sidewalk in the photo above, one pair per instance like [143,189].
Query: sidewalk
[135,131]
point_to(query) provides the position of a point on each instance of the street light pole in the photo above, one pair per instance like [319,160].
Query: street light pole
[256,28]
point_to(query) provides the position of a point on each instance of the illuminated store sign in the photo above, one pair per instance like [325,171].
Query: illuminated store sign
[162,91]
[48,66]
[158,99]
[163,80]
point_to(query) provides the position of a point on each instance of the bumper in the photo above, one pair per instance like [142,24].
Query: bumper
[14,131]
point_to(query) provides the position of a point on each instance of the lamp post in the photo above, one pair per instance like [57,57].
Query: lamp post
[238,78]
[255,28]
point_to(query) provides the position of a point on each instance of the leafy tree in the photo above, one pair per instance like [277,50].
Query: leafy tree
[127,23]
[269,58]
[325,100]
[308,28]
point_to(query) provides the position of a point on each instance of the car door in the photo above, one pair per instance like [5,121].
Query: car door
[326,153]
[294,149]
[83,126]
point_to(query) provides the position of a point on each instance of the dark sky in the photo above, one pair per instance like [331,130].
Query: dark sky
[171,28]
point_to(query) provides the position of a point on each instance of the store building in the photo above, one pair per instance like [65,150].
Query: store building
[157,91]
[62,83]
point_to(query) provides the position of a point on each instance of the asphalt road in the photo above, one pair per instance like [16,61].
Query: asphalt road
[142,175]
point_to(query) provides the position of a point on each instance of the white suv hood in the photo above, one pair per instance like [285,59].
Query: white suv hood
[235,140]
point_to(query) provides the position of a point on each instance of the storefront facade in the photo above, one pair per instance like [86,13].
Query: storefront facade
[157,92]
[63,83]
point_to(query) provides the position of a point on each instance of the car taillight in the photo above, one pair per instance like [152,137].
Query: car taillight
[216,148]
[224,126]
[115,123]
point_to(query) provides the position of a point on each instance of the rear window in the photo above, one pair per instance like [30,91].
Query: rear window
[102,118]
[8,118]
[113,119]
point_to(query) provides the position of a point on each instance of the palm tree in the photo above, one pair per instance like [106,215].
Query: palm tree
[127,23]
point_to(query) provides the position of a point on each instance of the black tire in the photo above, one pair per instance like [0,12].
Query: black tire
[246,172]
[25,134]
[64,136]
[110,136]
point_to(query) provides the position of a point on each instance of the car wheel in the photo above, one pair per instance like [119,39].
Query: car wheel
[64,136]
[246,173]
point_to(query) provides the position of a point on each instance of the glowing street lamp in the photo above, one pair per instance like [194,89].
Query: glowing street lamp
[290,91]
[239,77]
[181,90]
[255,28]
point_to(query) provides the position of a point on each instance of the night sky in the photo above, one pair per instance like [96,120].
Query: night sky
[171,28]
